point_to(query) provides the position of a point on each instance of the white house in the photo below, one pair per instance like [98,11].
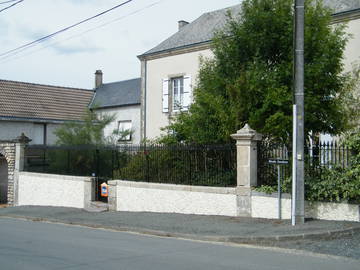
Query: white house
[169,71]
[121,99]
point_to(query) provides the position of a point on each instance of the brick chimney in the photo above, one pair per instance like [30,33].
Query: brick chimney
[182,24]
[98,78]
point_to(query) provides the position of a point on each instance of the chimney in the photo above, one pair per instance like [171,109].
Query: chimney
[98,78]
[182,24]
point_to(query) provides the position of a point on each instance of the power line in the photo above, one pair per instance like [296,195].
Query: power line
[6,59]
[1,10]
[64,29]
[6,2]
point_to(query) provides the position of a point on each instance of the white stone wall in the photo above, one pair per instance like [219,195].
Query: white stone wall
[125,113]
[164,198]
[266,206]
[53,190]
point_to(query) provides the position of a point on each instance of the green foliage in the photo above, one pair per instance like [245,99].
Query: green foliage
[89,131]
[250,77]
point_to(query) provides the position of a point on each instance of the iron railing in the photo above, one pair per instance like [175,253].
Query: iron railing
[205,165]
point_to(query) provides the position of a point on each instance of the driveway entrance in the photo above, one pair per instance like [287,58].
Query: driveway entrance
[3,180]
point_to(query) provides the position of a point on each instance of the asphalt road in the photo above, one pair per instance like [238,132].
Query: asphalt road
[33,245]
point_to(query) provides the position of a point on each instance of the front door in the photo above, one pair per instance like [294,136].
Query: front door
[3,180]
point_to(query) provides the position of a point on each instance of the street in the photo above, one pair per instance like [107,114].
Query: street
[35,245]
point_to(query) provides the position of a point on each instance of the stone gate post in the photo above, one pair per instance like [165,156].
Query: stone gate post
[246,145]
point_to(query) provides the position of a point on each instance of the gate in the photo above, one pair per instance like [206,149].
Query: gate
[3,180]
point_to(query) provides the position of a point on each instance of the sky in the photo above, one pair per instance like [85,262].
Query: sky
[110,42]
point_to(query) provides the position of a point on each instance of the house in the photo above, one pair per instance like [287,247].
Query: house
[121,99]
[169,70]
[37,110]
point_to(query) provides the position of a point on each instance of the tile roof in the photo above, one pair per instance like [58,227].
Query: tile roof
[46,102]
[117,94]
[203,28]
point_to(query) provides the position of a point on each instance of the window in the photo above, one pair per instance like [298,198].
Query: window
[176,94]
[124,130]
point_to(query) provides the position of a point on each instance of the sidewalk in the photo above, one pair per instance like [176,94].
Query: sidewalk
[208,228]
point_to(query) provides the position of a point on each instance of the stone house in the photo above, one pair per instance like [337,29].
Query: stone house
[169,70]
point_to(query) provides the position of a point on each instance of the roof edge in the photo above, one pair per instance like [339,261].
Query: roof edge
[36,120]
[116,106]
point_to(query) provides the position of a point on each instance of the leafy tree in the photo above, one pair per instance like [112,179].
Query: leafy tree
[250,77]
[89,131]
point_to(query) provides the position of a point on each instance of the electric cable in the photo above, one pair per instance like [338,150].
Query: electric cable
[1,10]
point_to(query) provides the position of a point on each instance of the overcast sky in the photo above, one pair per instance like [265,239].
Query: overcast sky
[71,58]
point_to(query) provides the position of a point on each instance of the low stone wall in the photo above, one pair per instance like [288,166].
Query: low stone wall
[164,198]
[266,206]
[53,190]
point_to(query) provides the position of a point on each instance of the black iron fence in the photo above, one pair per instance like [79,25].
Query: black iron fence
[318,157]
[205,165]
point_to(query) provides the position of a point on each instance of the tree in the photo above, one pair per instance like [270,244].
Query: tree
[89,131]
[250,77]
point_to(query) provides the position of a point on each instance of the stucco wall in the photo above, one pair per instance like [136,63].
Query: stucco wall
[131,113]
[159,69]
[266,206]
[352,51]
[53,190]
[162,198]
[10,130]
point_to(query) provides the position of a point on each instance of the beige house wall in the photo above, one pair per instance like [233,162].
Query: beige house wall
[352,52]
[159,69]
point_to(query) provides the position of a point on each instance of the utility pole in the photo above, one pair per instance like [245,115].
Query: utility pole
[298,200]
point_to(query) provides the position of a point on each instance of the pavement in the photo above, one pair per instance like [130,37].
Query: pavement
[239,230]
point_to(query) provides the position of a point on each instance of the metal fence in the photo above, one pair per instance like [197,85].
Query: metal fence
[318,157]
[205,165]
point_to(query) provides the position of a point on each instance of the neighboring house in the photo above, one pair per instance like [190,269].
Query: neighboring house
[37,110]
[121,99]
[169,71]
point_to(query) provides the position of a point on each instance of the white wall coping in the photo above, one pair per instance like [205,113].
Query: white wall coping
[270,195]
[217,190]
[57,176]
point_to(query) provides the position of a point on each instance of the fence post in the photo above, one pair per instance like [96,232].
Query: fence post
[246,145]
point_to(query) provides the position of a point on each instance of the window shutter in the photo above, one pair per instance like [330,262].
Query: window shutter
[165,96]
[187,92]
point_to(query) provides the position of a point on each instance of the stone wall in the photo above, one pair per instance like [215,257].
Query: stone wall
[7,149]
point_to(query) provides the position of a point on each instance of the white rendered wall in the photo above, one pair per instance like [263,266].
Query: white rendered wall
[53,190]
[125,113]
[266,206]
[163,198]
[159,69]
[352,50]
[10,130]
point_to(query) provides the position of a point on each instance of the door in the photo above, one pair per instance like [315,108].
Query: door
[3,180]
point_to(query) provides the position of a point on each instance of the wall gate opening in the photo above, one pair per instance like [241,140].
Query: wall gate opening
[4,182]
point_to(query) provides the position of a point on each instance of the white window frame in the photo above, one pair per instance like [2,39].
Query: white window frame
[129,136]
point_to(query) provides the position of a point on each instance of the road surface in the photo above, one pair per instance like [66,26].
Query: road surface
[35,245]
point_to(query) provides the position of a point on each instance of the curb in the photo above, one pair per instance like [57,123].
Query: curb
[255,240]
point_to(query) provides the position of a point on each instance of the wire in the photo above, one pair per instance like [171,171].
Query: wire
[6,2]
[1,10]
[64,29]
[6,59]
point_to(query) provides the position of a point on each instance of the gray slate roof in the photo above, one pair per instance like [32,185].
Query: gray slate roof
[116,94]
[202,29]
[36,101]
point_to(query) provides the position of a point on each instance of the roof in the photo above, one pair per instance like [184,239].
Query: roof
[36,101]
[203,28]
[116,94]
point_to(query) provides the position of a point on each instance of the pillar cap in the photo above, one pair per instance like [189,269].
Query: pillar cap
[23,139]
[247,133]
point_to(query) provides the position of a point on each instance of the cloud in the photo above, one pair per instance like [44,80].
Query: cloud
[68,49]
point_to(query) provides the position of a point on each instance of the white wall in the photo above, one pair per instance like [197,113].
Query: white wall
[53,190]
[352,51]
[164,198]
[159,69]
[10,130]
[266,206]
[131,113]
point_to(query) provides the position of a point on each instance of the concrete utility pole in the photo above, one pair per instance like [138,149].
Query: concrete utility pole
[298,208]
